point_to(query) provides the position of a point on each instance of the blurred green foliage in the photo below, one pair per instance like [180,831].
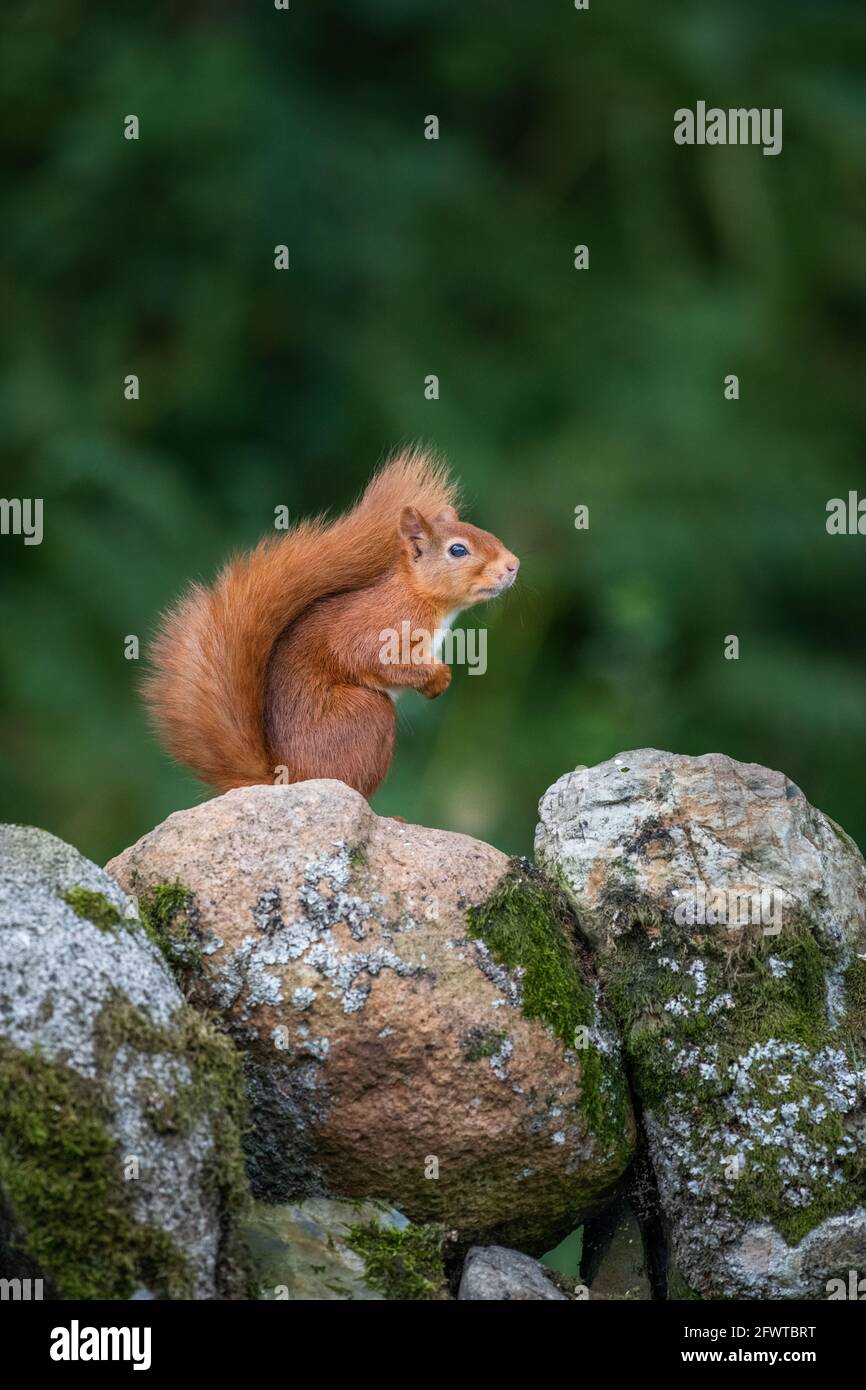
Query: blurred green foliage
[409,257]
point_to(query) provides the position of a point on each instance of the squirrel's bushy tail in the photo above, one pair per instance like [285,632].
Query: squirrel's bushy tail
[209,661]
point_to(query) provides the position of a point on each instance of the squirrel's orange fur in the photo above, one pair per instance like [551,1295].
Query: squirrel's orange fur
[278,664]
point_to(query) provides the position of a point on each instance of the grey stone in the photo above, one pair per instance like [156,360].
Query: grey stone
[491,1272]
[93,1011]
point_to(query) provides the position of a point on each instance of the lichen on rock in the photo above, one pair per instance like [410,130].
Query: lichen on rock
[728,923]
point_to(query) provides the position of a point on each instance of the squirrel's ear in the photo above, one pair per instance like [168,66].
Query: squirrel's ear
[447,517]
[413,527]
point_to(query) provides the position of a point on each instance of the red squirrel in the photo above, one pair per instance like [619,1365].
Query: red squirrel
[275,673]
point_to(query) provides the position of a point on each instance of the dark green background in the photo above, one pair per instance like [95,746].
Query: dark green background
[410,257]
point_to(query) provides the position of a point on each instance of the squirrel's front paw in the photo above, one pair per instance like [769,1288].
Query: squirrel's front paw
[437,682]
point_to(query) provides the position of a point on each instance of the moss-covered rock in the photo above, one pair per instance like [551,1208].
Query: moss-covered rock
[417,1020]
[324,1249]
[401,1263]
[527,927]
[168,916]
[95,907]
[121,1166]
[728,922]
[62,1181]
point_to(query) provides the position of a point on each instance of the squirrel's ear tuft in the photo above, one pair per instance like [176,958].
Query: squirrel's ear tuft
[413,527]
[447,517]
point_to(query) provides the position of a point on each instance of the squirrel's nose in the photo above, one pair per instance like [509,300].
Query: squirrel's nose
[513,565]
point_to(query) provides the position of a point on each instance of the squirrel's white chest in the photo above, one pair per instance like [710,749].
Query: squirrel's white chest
[442,632]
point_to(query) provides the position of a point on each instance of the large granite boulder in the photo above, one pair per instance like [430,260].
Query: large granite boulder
[417,1022]
[727,920]
[121,1170]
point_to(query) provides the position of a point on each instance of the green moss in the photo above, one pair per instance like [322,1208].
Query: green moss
[854,980]
[606,1101]
[526,925]
[60,1173]
[678,1289]
[691,1008]
[791,1008]
[94,907]
[166,912]
[358,857]
[403,1265]
[482,1042]
[644,991]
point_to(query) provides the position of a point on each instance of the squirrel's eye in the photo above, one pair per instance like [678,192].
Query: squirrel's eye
[457,551]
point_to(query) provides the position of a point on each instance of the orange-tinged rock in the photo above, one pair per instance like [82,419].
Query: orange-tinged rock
[389,1051]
